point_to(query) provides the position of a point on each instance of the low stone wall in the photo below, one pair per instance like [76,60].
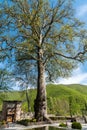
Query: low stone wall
[28,115]
[24,115]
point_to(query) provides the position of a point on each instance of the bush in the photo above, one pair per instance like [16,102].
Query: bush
[63,125]
[3,122]
[34,120]
[24,122]
[76,125]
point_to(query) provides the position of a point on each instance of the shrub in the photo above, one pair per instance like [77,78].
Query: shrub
[63,125]
[34,120]
[76,125]
[24,122]
[3,122]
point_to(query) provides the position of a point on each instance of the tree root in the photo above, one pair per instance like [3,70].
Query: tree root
[47,119]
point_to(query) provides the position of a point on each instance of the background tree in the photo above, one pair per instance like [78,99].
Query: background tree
[84,112]
[4,84]
[46,34]
[4,80]
[26,80]
[72,105]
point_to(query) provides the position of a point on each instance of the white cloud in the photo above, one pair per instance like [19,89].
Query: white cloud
[82,11]
[78,77]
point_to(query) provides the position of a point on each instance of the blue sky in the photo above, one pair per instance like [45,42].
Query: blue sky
[79,76]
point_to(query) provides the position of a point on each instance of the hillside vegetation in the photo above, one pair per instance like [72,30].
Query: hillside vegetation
[62,99]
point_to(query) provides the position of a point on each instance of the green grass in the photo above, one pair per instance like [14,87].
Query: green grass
[58,97]
[64,90]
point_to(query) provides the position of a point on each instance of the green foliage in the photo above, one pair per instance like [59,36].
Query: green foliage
[63,125]
[72,105]
[59,97]
[34,120]
[3,122]
[24,122]
[76,125]
[5,77]
[58,106]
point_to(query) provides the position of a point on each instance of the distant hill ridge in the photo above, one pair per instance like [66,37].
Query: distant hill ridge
[73,89]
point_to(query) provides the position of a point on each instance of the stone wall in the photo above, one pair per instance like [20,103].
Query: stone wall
[11,111]
[27,115]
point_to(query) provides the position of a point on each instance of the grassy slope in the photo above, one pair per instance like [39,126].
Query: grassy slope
[66,90]
[80,88]
[57,91]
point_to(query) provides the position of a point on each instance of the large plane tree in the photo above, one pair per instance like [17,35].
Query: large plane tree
[45,34]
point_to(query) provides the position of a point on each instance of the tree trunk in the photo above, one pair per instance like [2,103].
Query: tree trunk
[40,105]
[28,100]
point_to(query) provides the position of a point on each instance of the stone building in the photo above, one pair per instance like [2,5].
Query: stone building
[11,111]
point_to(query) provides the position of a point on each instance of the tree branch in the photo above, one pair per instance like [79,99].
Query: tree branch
[76,57]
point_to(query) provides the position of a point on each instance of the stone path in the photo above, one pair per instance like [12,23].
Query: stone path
[21,127]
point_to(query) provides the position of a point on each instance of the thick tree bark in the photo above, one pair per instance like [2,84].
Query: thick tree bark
[40,105]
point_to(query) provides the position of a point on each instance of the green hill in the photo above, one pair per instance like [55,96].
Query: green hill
[66,99]
[61,99]
[66,90]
